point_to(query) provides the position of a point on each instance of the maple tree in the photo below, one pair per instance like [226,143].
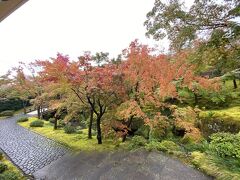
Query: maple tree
[103,91]
[142,78]
[151,79]
[29,86]
[212,24]
[56,77]
[9,91]
[92,85]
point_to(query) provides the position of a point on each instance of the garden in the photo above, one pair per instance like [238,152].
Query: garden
[185,103]
[8,171]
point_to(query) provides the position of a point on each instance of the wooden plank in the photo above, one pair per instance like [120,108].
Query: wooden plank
[9,6]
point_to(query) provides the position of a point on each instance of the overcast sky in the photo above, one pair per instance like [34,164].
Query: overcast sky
[41,28]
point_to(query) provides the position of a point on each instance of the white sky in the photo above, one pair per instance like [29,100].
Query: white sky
[41,28]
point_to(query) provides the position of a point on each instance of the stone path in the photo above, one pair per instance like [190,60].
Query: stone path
[137,165]
[28,150]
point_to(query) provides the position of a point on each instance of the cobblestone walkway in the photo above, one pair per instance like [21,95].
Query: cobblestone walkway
[28,150]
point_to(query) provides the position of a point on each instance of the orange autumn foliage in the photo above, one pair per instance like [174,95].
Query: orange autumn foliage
[152,76]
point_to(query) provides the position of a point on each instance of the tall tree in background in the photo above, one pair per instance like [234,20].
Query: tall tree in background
[29,86]
[182,25]
[210,27]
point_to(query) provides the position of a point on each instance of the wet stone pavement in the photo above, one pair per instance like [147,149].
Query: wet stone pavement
[120,165]
[28,150]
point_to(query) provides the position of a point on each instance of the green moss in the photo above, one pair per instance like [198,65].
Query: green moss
[11,169]
[3,167]
[224,120]
[74,141]
[226,113]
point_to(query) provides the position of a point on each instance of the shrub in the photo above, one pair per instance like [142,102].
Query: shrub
[48,114]
[37,123]
[187,114]
[7,113]
[168,146]
[10,104]
[52,120]
[160,129]
[61,123]
[22,119]
[187,139]
[153,145]
[201,147]
[69,129]
[225,144]
[137,141]
[3,167]
[9,176]
[165,146]
[143,131]
[188,131]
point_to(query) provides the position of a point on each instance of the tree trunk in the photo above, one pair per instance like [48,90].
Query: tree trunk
[55,123]
[41,112]
[41,115]
[124,137]
[195,99]
[90,124]
[128,126]
[24,107]
[136,93]
[38,112]
[24,110]
[99,133]
[234,83]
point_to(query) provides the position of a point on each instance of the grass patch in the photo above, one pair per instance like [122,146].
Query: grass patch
[12,169]
[223,169]
[76,141]
[226,113]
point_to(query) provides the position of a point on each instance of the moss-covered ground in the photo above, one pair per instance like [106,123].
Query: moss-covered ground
[76,141]
[11,169]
